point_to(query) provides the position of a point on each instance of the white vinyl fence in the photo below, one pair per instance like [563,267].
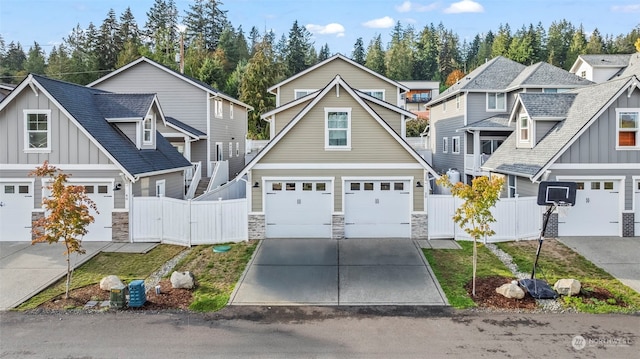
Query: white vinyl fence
[174,221]
[516,218]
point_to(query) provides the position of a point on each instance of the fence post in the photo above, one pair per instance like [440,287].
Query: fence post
[516,203]
[219,220]
[190,222]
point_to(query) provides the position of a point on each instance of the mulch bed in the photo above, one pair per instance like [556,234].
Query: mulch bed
[487,297]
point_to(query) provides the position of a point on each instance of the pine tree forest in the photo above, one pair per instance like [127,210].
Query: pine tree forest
[244,64]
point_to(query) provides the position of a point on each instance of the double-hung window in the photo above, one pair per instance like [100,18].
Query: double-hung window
[628,128]
[445,145]
[496,101]
[455,144]
[147,130]
[379,94]
[37,130]
[523,132]
[217,108]
[337,128]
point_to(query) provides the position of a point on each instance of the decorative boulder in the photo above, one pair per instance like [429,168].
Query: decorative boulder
[182,280]
[510,290]
[567,287]
[110,281]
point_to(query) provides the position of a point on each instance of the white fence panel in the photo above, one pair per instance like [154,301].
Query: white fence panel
[146,219]
[175,221]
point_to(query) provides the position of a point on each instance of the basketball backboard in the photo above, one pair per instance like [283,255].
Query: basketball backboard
[556,193]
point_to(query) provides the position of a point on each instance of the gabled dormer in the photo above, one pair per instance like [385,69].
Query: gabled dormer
[535,114]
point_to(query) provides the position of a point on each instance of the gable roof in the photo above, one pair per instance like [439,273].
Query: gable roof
[495,75]
[197,83]
[495,123]
[184,128]
[89,109]
[330,59]
[601,60]
[541,106]
[633,68]
[543,75]
[337,81]
[588,104]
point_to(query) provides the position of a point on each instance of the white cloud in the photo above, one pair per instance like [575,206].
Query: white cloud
[408,6]
[382,23]
[464,6]
[626,8]
[329,29]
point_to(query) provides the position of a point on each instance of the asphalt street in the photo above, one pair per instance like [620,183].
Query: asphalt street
[318,332]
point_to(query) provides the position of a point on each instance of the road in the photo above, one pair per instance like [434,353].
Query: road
[318,332]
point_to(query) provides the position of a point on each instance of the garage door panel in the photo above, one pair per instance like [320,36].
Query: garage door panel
[16,206]
[298,231]
[596,212]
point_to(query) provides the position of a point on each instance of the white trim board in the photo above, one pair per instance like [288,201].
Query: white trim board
[64,167]
[338,166]
[595,166]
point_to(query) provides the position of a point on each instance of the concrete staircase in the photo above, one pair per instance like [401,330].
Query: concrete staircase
[202,186]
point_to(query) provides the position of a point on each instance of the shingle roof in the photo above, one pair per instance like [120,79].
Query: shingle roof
[587,103]
[547,105]
[606,59]
[491,123]
[89,107]
[633,68]
[115,105]
[185,127]
[543,74]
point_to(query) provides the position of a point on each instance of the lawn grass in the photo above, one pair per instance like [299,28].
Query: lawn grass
[454,269]
[127,266]
[558,261]
[216,273]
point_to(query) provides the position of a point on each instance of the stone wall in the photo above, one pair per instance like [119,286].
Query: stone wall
[120,226]
[628,225]
[419,226]
[34,217]
[257,226]
[337,226]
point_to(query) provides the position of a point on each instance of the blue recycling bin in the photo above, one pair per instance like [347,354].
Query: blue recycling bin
[137,295]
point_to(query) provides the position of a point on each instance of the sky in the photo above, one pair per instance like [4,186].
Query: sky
[338,23]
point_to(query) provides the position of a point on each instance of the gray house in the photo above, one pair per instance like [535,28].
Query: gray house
[470,120]
[590,136]
[107,142]
[216,124]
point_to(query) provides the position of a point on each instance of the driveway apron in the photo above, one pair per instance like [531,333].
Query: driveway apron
[343,272]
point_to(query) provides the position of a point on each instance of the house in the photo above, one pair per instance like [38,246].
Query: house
[337,165]
[5,90]
[588,135]
[217,123]
[601,67]
[107,142]
[419,94]
[469,121]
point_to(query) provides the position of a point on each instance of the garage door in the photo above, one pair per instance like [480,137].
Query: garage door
[298,208]
[377,209]
[597,210]
[636,203]
[16,205]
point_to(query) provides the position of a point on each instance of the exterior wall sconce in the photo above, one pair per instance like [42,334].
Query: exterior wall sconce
[256,185]
[117,187]
[418,184]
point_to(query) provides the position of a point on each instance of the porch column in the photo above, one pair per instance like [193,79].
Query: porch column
[476,151]
[187,148]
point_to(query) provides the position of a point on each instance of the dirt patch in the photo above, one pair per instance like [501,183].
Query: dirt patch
[487,297]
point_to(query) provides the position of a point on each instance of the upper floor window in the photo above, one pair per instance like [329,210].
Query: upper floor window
[301,93]
[628,128]
[455,144]
[231,110]
[496,101]
[379,94]
[217,107]
[583,74]
[523,128]
[338,128]
[445,145]
[147,130]
[37,130]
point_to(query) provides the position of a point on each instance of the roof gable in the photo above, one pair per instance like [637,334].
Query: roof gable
[542,75]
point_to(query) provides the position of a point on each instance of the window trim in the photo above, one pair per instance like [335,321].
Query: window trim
[147,119]
[308,91]
[231,110]
[495,94]
[445,145]
[26,147]
[217,108]
[619,129]
[512,186]
[370,91]
[230,149]
[327,146]
[455,140]
[527,128]
[237,149]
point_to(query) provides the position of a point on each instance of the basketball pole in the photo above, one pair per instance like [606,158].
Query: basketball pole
[547,214]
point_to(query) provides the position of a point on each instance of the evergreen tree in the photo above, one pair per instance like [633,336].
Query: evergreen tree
[448,53]
[541,40]
[484,51]
[14,58]
[194,57]
[58,62]
[470,56]
[358,55]
[212,72]
[501,42]
[297,51]
[426,62]
[109,44]
[325,53]
[35,62]
[399,56]
[128,30]
[521,48]
[578,45]
[161,30]
[595,45]
[232,87]
[254,40]
[205,18]
[558,42]
[375,56]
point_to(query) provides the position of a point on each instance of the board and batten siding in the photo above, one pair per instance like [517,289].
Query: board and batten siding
[129,129]
[626,173]
[227,130]
[370,142]
[257,175]
[174,185]
[68,144]
[356,78]
[542,128]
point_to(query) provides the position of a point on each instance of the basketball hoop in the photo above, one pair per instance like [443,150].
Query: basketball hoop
[563,209]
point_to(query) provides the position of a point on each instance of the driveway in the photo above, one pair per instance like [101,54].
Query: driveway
[618,256]
[344,272]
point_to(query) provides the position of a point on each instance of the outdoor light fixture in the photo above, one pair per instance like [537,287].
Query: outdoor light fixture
[418,184]
[256,185]
[117,186]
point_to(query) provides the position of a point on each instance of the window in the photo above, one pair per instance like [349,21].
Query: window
[355,186]
[455,144]
[458,101]
[9,189]
[385,186]
[301,93]
[37,131]
[89,189]
[231,111]
[496,102]
[321,186]
[307,186]
[523,133]
[579,186]
[23,189]
[398,186]
[237,149]
[368,186]
[338,129]
[583,74]
[160,185]
[512,186]
[105,189]
[595,185]
[147,130]
[291,186]
[608,186]
[489,146]
[230,149]
[276,186]
[379,94]
[445,145]
[628,128]
[217,108]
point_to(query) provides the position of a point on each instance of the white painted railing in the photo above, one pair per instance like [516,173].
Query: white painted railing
[516,218]
[229,190]
[174,221]
[196,175]
[219,175]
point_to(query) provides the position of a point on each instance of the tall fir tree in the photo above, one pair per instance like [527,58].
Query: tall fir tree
[596,44]
[298,49]
[502,41]
[375,56]
[35,61]
[358,55]
[558,41]
[161,30]
[325,53]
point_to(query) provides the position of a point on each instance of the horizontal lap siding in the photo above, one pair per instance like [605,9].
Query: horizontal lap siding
[284,117]
[174,185]
[354,76]
[448,128]
[227,130]
[418,175]
[393,118]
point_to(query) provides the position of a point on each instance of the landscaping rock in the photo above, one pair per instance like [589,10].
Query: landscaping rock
[110,281]
[567,287]
[182,280]
[510,290]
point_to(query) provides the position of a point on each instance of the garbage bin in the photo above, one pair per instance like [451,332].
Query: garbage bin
[117,299]
[137,295]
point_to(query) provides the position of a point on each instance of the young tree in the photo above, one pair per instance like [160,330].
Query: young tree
[474,215]
[67,215]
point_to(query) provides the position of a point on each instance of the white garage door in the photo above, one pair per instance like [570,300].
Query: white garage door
[597,210]
[377,209]
[298,208]
[16,205]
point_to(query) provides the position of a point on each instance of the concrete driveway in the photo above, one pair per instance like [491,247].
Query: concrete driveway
[345,272]
[618,256]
